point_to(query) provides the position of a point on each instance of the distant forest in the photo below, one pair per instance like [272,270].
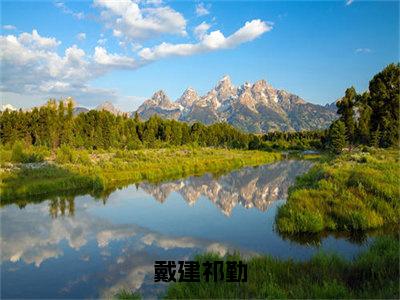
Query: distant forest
[370,118]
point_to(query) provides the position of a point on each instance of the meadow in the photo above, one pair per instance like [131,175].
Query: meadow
[355,191]
[33,171]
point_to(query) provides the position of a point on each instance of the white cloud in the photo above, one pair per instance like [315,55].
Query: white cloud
[101,42]
[113,60]
[201,10]
[363,50]
[34,40]
[9,27]
[68,11]
[129,21]
[209,42]
[200,30]
[136,46]
[32,66]
[348,2]
[81,36]
[154,2]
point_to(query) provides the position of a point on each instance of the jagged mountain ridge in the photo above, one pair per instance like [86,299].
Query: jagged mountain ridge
[257,107]
[250,187]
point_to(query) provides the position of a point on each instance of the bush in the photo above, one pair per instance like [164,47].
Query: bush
[20,155]
[65,155]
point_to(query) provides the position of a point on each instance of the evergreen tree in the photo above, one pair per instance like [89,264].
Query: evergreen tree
[384,89]
[337,136]
[364,118]
[346,111]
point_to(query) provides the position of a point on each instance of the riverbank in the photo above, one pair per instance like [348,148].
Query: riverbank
[372,274]
[70,169]
[352,192]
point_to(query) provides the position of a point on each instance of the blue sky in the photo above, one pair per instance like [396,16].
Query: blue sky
[125,51]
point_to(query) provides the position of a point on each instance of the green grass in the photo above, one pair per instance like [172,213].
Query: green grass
[372,274]
[126,295]
[353,192]
[101,171]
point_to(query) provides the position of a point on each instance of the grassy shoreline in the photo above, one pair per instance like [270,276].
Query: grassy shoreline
[356,191]
[373,273]
[100,171]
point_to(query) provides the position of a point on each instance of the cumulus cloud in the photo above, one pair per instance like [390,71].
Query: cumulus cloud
[34,68]
[102,57]
[201,10]
[50,74]
[9,27]
[81,36]
[128,20]
[208,42]
[200,30]
[34,40]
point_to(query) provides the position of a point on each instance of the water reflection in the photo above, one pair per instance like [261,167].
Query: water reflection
[125,253]
[250,187]
[81,247]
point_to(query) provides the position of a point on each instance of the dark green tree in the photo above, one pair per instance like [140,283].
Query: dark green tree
[384,91]
[346,111]
[337,136]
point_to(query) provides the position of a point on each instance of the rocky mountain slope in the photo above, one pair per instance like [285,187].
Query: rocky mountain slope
[257,107]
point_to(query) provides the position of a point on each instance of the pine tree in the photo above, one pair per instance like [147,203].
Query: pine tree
[346,110]
[364,119]
[337,136]
[385,102]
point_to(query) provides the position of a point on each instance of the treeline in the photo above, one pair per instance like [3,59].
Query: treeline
[370,118]
[54,125]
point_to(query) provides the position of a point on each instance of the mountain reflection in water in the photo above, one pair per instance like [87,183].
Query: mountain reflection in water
[250,187]
[81,247]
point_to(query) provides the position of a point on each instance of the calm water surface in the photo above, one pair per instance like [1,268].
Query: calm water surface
[84,247]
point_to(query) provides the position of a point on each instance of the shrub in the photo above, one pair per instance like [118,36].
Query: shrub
[64,155]
[20,155]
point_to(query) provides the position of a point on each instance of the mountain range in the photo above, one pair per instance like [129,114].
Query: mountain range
[257,107]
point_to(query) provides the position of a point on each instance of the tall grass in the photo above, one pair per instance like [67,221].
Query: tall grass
[22,153]
[351,193]
[372,274]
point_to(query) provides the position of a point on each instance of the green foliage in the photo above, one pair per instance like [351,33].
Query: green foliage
[346,111]
[66,154]
[20,153]
[384,91]
[373,117]
[372,274]
[104,170]
[351,193]
[54,126]
[301,140]
[337,134]
[127,295]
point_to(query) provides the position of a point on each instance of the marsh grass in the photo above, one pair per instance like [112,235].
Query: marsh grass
[372,274]
[356,191]
[99,171]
